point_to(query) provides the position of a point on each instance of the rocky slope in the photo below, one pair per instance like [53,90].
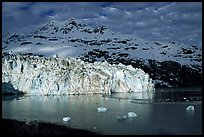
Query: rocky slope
[36,75]
[170,64]
[15,127]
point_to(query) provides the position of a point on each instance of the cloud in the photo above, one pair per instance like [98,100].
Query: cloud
[159,21]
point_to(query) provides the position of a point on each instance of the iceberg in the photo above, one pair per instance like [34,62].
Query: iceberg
[102,109]
[124,117]
[121,118]
[190,108]
[132,114]
[66,119]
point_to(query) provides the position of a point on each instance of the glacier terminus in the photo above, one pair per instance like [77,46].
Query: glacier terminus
[36,75]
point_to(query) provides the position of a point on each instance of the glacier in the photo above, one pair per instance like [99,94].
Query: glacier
[35,75]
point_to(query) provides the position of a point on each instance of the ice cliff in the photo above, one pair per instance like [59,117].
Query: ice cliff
[35,75]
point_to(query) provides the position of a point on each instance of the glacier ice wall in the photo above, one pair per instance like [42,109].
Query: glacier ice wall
[36,75]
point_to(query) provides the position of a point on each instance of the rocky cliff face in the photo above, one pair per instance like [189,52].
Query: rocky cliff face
[36,75]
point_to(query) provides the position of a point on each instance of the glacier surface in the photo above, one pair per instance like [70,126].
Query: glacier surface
[36,75]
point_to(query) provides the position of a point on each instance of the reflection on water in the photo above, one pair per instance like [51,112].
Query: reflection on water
[132,95]
[178,95]
[152,118]
[171,95]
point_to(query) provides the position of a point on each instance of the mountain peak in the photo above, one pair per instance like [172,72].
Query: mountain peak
[71,25]
[76,22]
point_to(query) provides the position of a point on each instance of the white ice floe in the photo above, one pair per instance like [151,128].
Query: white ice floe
[102,109]
[132,114]
[124,117]
[66,119]
[190,108]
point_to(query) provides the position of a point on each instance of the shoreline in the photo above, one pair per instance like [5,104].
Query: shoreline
[16,127]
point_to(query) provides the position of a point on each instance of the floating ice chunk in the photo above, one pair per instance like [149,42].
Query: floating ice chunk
[190,108]
[124,117]
[132,114]
[66,119]
[102,109]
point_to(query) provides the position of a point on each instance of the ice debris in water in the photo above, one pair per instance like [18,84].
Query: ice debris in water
[124,117]
[129,115]
[66,119]
[102,109]
[190,108]
[132,114]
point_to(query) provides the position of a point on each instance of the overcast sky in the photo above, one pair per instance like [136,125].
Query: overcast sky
[160,21]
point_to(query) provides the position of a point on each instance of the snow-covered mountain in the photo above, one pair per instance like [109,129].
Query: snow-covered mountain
[168,63]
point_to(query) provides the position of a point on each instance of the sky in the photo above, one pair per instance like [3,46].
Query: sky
[157,21]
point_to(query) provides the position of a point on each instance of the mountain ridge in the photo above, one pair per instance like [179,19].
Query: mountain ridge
[76,39]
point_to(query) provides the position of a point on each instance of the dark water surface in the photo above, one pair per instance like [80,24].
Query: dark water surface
[163,112]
